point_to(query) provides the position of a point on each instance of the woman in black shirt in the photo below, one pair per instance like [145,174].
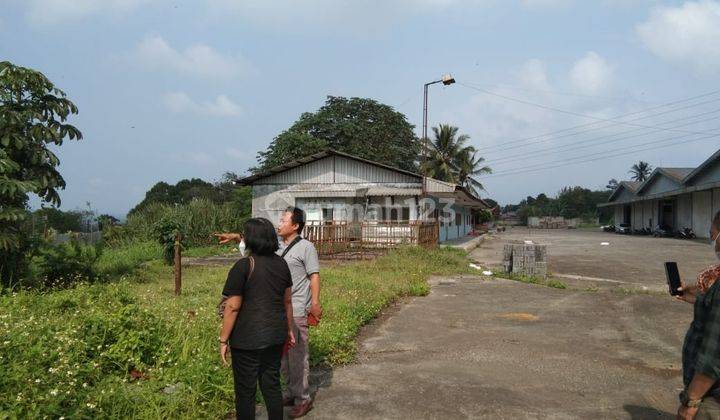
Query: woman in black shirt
[257,320]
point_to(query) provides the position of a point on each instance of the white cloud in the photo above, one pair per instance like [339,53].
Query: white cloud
[591,74]
[532,74]
[689,33]
[198,60]
[56,11]
[221,106]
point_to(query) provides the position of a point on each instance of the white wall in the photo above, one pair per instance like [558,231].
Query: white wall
[649,209]
[684,211]
[637,215]
[618,215]
[702,213]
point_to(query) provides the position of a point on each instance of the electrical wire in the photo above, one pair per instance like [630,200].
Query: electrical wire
[614,120]
[582,145]
[573,161]
[609,135]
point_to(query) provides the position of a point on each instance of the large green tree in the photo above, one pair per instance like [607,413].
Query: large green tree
[181,193]
[358,126]
[187,190]
[33,115]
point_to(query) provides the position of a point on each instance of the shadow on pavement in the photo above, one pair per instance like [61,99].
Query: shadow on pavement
[637,412]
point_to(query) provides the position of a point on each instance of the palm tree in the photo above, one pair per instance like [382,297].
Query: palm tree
[640,171]
[443,152]
[450,159]
[470,165]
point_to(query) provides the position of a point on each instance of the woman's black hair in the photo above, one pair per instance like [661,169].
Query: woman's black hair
[716,220]
[260,236]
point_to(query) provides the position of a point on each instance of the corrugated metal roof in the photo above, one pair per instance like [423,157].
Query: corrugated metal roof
[311,158]
[632,185]
[387,191]
[678,173]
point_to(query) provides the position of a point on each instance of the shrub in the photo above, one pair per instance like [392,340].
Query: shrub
[66,264]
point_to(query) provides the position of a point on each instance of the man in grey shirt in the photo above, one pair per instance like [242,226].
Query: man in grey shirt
[302,259]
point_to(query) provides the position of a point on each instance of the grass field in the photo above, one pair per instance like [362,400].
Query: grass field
[129,348]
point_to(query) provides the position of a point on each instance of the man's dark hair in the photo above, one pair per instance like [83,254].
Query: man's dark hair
[297,218]
[260,236]
[716,220]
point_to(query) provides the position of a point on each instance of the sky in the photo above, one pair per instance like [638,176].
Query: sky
[552,93]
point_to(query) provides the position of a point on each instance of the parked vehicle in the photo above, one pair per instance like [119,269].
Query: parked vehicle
[643,231]
[608,228]
[662,232]
[686,233]
[623,228]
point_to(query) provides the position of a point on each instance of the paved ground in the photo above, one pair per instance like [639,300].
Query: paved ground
[630,259]
[479,348]
[491,348]
[499,349]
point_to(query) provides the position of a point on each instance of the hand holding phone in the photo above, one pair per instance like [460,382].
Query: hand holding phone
[673,278]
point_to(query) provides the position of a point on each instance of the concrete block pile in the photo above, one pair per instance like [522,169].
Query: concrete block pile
[526,259]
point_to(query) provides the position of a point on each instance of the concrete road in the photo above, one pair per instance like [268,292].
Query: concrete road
[500,349]
[635,260]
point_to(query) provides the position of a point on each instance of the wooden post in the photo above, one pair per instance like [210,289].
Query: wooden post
[178,265]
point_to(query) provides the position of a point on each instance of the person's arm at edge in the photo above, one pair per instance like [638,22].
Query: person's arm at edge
[224,238]
[232,307]
[707,367]
[289,313]
[315,307]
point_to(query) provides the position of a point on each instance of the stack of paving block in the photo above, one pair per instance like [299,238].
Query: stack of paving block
[526,259]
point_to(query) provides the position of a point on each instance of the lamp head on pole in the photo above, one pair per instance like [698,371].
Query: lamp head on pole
[447,80]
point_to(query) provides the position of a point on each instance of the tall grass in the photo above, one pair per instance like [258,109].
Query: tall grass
[199,219]
[130,349]
[125,257]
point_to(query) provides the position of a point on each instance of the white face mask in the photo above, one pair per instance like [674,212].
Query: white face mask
[713,244]
[241,248]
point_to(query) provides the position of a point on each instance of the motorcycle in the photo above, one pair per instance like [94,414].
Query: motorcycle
[661,232]
[686,233]
[608,228]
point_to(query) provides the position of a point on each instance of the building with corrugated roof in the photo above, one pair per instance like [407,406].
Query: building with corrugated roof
[672,198]
[336,187]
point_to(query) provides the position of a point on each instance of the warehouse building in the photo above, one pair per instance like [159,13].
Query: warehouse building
[672,198]
[361,197]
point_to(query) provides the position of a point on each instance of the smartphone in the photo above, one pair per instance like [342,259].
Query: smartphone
[673,278]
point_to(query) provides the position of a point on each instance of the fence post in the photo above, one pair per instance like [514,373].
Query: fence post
[178,265]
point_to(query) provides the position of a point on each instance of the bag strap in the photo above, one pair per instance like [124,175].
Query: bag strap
[290,245]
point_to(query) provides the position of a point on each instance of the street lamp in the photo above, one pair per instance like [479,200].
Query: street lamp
[446,80]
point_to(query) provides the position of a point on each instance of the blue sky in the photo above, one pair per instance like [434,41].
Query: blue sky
[178,89]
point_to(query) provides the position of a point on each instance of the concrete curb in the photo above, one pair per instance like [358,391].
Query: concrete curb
[468,245]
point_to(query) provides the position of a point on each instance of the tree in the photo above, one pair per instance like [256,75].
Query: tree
[612,184]
[444,152]
[61,221]
[107,221]
[640,171]
[358,126]
[183,192]
[33,114]
[450,159]
[469,165]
